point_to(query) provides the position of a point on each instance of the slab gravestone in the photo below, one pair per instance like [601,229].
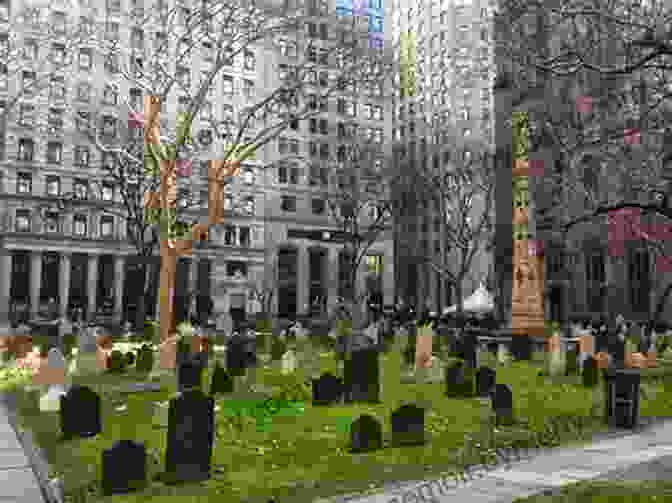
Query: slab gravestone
[408,425]
[221,381]
[454,379]
[502,403]
[80,413]
[590,372]
[521,347]
[327,389]
[366,434]
[145,360]
[236,358]
[124,468]
[486,378]
[189,375]
[364,374]
[191,423]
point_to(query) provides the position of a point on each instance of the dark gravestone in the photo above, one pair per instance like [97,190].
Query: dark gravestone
[408,425]
[327,389]
[364,374]
[486,378]
[236,357]
[124,468]
[469,349]
[590,372]
[572,367]
[521,347]
[502,404]
[116,362]
[221,381]
[617,351]
[80,413]
[130,358]
[366,434]
[622,397]
[454,379]
[191,423]
[145,360]
[189,375]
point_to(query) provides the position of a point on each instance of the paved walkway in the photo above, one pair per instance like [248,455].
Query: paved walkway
[644,455]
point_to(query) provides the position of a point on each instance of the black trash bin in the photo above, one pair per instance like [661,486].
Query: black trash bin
[622,397]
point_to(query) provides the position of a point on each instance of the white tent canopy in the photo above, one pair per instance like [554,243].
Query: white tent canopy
[481,301]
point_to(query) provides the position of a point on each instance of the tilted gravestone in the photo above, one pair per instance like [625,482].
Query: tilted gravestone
[80,413]
[408,425]
[191,423]
[124,468]
[486,378]
[327,389]
[221,381]
[366,434]
[502,404]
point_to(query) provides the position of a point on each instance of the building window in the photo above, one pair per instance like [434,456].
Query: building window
[111,63]
[24,183]
[81,189]
[79,226]
[235,268]
[639,279]
[106,226]
[27,115]
[288,204]
[84,91]
[53,186]
[248,89]
[26,149]
[82,120]
[109,126]
[229,235]
[249,205]
[282,173]
[55,120]
[294,175]
[250,61]
[22,222]
[324,151]
[227,85]
[244,236]
[28,83]
[228,202]
[318,206]
[107,192]
[112,30]
[81,156]
[84,59]
[110,95]
[51,221]
[294,146]
[137,39]
[248,175]
[374,264]
[324,126]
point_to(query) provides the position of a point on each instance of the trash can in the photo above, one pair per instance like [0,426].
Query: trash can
[622,397]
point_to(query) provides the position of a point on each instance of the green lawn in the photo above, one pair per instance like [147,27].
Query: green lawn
[608,492]
[300,458]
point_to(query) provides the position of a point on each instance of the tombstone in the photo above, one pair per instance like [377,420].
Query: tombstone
[521,347]
[363,379]
[470,349]
[116,362]
[366,434]
[454,378]
[189,375]
[327,389]
[221,381]
[236,357]
[80,413]
[502,404]
[485,381]
[53,371]
[145,360]
[617,351]
[130,358]
[590,372]
[408,425]
[191,424]
[124,468]
[288,363]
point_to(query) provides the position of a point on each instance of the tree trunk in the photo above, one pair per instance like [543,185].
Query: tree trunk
[167,292]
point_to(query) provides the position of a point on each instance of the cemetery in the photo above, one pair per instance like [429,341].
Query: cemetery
[295,418]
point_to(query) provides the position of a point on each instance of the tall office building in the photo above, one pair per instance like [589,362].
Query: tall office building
[79,253]
[445,91]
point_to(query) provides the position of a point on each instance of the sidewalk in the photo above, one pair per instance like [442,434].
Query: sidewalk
[644,455]
[18,482]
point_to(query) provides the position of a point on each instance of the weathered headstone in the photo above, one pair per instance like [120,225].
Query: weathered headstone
[190,436]
[80,413]
[189,375]
[236,357]
[521,347]
[408,425]
[327,389]
[455,379]
[221,381]
[364,376]
[503,356]
[486,378]
[502,404]
[145,360]
[366,434]
[124,468]
[590,372]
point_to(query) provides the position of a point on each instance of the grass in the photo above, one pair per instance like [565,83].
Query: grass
[301,458]
[608,492]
